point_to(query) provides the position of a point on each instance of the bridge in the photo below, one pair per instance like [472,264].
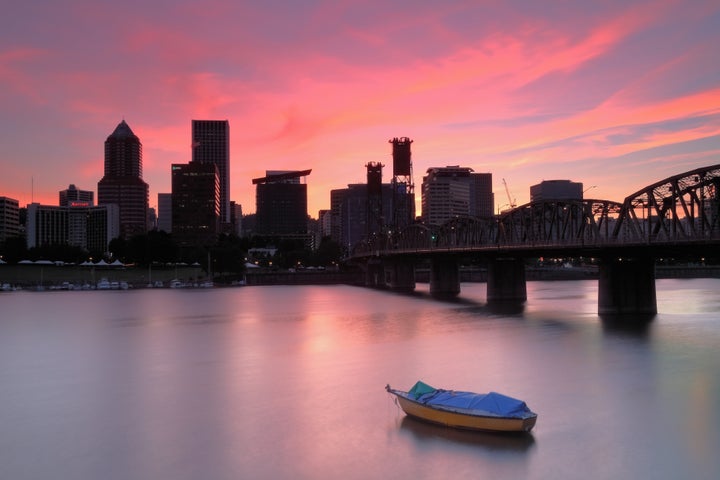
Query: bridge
[678,217]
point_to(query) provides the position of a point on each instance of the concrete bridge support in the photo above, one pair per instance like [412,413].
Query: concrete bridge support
[506,281]
[400,275]
[627,286]
[374,274]
[444,277]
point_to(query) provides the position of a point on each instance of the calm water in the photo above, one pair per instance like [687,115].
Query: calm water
[288,382]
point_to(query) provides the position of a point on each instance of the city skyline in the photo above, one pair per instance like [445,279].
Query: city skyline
[616,96]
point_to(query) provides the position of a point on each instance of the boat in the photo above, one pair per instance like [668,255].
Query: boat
[491,412]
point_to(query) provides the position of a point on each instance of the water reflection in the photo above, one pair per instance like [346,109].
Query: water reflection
[423,432]
[636,325]
[506,308]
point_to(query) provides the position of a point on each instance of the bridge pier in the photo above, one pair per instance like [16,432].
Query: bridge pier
[444,277]
[627,286]
[399,275]
[506,281]
[374,275]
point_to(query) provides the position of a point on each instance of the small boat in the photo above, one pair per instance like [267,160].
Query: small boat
[493,412]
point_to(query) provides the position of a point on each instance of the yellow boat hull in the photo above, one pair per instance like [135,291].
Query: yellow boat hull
[465,421]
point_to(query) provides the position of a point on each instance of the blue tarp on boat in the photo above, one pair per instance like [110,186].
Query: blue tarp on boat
[492,402]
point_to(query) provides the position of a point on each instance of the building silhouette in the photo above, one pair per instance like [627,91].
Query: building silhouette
[281,204]
[556,190]
[90,228]
[73,197]
[403,191]
[352,212]
[164,222]
[122,183]
[211,144]
[195,203]
[454,191]
[236,216]
[9,218]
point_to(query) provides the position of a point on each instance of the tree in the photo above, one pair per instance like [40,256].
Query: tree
[329,252]
[228,255]
[14,249]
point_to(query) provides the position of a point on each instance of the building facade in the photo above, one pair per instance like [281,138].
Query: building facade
[195,203]
[122,183]
[211,144]
[281,204]
[454,191]
[9,218]
[90,228]
[556,190]
[349,215]
[164,222]
[73,197]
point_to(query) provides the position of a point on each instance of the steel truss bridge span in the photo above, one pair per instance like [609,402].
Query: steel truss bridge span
[679,213]
[678,217]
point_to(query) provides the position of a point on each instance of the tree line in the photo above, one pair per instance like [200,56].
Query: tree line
[228,255]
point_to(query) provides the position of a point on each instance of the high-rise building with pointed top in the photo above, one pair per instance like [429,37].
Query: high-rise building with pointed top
[122,183]
[211,144]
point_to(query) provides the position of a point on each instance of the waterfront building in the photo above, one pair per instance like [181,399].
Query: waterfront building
[91,228]
[454,191]
[556,190]
[195,203]
[9,218]
[122,183]
[211,144]
[74,197]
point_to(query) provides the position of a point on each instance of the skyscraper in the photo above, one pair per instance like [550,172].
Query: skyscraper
[211,144]
[195,203]
[122,183]
[454,191]
[281,203]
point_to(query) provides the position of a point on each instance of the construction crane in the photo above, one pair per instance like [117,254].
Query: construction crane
[511,200]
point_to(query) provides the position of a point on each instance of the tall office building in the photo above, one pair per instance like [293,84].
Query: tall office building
[349,212]
[482,198]
[454,191]
[122,184]
[73,197]
[281,203]
[195,203]
[9,218]
[211,144]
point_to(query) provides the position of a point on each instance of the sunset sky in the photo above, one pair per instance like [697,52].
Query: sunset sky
[614,94]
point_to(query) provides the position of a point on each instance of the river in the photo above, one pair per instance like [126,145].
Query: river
[288,382]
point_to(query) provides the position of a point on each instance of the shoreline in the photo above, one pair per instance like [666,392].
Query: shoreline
[49,277]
